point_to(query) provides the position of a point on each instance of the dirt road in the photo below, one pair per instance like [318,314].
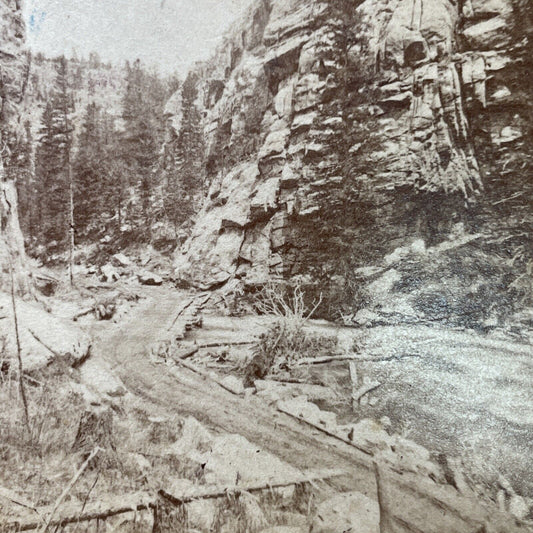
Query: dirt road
[417,504]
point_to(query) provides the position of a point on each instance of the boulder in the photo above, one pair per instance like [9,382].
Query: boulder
[234,384]
[98,376]
[349,511]
[122,260]
[109,273]
[43,337]
[149,278]
[193,437]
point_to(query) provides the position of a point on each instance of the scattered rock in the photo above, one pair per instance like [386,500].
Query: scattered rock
[302,408]
[519,507]
[232,458]
[365,317]
[274,391]
[105,312]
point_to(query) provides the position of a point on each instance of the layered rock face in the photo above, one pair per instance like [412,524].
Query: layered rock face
[14,69]
[357,116]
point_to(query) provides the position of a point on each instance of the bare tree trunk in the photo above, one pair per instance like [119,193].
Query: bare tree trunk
[71,220]
[19,355]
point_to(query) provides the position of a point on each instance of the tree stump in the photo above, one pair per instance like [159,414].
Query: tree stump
[169,518]
[95,429]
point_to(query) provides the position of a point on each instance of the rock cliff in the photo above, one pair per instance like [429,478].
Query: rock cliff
[14,67]
[341,129]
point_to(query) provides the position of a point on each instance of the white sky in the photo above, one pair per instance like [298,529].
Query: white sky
[169,33]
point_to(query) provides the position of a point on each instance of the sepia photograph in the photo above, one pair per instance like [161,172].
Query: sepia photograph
[266,266]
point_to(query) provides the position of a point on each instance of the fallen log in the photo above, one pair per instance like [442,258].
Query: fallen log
[205,375]
[351,357]
[82,517]
[151,503]
[185,355]
[214,493]
[365,450]
[223,344]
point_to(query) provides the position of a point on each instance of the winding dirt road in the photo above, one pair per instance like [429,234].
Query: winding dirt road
[417,504]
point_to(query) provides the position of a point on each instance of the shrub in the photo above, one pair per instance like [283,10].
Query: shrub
[286,339]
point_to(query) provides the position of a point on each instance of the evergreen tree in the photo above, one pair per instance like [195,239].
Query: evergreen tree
[52,160]
[183,157]
[88,170]
[143,115]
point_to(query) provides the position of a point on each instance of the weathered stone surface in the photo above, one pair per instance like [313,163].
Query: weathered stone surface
[14,68]
[274,100]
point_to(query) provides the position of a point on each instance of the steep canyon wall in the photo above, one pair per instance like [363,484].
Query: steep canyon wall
[14,70]
[347,128]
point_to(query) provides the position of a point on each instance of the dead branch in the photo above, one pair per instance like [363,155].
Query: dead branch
[34,335]
[68,488]
[365,389]
[19,354]
[84,312]
[385,518]
[186,354]
[513,197]
[205,375]
[354,381]
[86,499]
[13,497]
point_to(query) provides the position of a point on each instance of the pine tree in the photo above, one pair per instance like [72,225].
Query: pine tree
[52,161]
[143,116]
[88,171]
[182,160]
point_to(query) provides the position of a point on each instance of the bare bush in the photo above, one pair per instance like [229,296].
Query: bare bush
[286,339]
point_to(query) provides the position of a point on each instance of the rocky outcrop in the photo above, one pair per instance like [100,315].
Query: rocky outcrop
[328,120]
[14,71]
